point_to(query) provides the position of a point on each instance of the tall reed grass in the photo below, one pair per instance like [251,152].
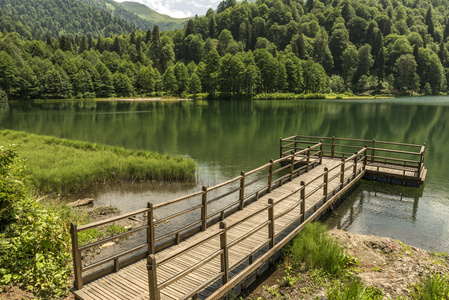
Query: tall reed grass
[316,249]
[66,166]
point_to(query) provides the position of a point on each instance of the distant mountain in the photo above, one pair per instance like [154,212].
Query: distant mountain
[163,21]
[120,11]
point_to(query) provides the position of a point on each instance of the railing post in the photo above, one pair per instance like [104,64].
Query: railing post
[242,190]
[355,164]
[204,209]
[296,143]
[326,182]
[150,229]
[421,161]
[303,201]
[308,159]
[152,277]
[271,224]
[333,147]
[373,152]
[224,254]
[365,159]
[292,166]
[270,176]
[76,257]
[321,152]
[281,148]
[342,174]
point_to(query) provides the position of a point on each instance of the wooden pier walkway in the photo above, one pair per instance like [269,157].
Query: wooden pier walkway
[208,243]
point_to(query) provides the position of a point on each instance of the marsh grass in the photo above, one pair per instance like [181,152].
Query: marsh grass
[66,166]
[316,249]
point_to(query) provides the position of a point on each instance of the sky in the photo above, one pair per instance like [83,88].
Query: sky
[179,8]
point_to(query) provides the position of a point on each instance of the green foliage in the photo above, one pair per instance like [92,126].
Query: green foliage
[244,49]
[11,189]
[50,18]
[3,96]
[59,165]
[353,290]
[315,248]
[88,236]
[435,286]
[34,245]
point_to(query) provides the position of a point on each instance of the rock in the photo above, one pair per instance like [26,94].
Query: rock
[105,245]
[81,202]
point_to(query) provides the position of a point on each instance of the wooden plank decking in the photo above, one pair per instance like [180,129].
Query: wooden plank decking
[210,255]
[132,282]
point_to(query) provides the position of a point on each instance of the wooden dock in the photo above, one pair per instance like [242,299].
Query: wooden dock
[209,243]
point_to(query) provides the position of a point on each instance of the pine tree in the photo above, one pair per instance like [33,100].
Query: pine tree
[429,22]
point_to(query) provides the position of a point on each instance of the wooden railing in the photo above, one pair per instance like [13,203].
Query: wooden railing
[405,155]
[250,186]
[333,181]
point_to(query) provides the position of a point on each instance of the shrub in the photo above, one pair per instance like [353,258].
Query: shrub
[3,96]
[34,243]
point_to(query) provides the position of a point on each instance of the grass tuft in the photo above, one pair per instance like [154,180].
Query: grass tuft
[315,248]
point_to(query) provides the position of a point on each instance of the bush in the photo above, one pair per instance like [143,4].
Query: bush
[11,189]
[314,247]
[34,243]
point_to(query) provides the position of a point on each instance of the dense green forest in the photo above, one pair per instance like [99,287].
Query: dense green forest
[39,18]
[243,49]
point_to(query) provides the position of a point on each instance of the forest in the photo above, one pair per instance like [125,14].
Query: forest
[242,49]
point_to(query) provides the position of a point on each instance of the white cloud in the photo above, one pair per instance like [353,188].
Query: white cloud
[179,8]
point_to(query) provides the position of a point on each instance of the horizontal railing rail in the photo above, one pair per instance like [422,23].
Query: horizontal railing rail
[213,204]
[251,185]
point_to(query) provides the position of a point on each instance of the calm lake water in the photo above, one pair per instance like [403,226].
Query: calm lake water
[226,137]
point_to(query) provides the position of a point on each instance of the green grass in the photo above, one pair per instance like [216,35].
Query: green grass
[353,290]
[316,249]
[66,166]
[432,287]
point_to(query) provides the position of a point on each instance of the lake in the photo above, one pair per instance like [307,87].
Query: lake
[226,137]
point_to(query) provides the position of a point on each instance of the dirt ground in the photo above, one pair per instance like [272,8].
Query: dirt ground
[383,263]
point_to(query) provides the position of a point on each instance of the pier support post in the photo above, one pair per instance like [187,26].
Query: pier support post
[271,234]
[303,201]
[152,277]
[355,164]
[242,190]
[326,182]
[365,158]
[204,209]
[150,229]
[76,257]
[224,254]
[373,151]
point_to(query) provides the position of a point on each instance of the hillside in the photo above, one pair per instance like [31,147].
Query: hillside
[270,47]
[39,18]
[163,21]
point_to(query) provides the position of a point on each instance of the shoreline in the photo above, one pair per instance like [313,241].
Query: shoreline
[383,263]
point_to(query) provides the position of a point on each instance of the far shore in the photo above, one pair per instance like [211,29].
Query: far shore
[144,99]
